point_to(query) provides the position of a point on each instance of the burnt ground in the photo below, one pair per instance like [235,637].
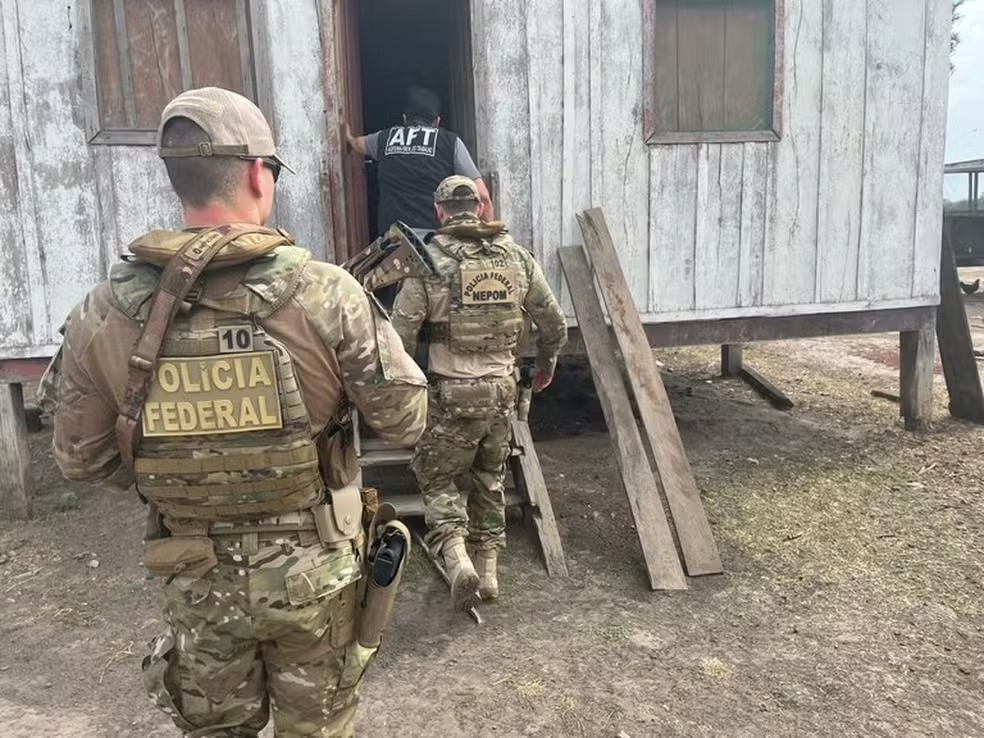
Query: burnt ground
[852,603]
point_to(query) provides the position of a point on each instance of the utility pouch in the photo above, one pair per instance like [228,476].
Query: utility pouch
[478,398]
[389,549]
[186,556]
[154,528]
[336,457]
[340,521]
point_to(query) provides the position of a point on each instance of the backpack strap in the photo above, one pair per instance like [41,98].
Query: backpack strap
[176,282]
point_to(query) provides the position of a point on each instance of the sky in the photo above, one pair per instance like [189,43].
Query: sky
[965,123]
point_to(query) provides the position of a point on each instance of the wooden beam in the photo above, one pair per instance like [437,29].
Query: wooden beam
[776,397]
[22,370]
[662,563]
[963,380]
[765,328]
[883,395]
[700,553]
[731,359]
[16,482]
[530,474]
[917,358]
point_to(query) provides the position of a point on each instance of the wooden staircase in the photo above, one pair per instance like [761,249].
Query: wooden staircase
[529,490]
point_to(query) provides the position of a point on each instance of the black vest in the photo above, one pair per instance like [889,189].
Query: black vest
[413,160]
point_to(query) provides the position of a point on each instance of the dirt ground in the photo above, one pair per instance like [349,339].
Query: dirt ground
[852,603]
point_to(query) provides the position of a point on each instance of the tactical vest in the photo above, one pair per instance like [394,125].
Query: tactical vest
[412,162]
[226,434]
[487,292]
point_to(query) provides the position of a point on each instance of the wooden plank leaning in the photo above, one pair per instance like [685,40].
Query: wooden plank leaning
[963,381]
[527,468]
[700,553]
[655,537]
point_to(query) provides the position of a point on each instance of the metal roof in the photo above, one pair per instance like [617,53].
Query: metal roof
[965,167]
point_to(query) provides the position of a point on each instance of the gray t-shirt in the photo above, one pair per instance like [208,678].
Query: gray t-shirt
[463,162]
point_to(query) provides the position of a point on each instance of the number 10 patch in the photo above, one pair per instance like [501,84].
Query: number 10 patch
[235,338]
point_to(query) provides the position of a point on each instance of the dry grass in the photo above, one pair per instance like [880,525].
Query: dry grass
[866,510]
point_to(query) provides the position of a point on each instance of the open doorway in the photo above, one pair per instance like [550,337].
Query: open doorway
[388,46]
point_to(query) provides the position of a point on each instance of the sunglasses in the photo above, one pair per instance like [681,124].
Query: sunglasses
[271,164]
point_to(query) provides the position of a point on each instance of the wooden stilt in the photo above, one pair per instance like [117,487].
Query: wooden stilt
[16,481]
[916,361]
[731,359]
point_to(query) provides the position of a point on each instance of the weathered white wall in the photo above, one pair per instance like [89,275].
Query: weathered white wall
[68,209]
[843,213]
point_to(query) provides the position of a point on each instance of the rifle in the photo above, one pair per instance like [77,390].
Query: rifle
[397,254]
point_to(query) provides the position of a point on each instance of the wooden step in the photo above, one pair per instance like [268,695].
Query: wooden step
[411,505]
[386,457]
[383,453]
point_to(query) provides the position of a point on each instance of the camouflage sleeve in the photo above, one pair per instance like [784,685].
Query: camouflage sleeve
[85,446]
[551,325]
[380,379]
[409,312]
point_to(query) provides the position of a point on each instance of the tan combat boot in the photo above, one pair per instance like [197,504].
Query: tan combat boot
[488,582]
[461,572]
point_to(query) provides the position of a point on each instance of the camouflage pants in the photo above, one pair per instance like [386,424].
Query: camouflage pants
[451,447]
[271,630]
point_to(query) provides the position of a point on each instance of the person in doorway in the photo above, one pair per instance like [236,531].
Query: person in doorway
[474,308]
[413,159]
[214,369]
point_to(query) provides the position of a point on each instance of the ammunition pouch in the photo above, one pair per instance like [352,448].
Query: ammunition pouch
[476,398]
[388,550]
[340,521]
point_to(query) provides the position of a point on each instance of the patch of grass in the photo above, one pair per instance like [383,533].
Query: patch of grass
[67,502]
[614,633]
[852,505]
[716,670]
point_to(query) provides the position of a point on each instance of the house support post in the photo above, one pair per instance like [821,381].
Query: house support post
[916,362]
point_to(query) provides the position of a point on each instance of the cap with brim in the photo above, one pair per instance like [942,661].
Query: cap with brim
[233,124]
[445,190]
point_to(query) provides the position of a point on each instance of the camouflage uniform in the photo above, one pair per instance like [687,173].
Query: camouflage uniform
[273,623]
[462,439]
[237,643]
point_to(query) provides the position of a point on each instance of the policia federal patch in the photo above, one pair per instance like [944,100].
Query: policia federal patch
[200,395]
[488,286]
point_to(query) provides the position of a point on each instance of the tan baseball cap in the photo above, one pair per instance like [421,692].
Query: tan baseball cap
[235,126]
[445,190]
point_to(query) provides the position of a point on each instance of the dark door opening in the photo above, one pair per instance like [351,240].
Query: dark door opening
[403,44]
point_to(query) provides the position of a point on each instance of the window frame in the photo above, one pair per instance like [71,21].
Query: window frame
[655,137]
[95,132]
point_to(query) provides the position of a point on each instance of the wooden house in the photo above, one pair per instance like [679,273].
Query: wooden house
[768,168]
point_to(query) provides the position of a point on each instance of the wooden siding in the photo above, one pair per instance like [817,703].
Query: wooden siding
[843,213]
[68,209]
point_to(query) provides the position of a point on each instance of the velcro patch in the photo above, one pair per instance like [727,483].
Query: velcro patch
[202,395]
[488,286]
